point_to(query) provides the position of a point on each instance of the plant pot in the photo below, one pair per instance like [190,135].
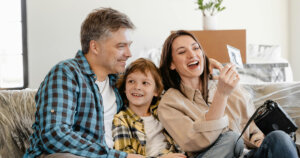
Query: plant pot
[209,22]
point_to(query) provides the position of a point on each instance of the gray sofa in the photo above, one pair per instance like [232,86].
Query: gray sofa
[17,109]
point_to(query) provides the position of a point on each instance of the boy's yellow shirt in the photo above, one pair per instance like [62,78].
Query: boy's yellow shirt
[129,133]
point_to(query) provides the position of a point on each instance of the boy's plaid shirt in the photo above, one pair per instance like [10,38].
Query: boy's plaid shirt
[129,134]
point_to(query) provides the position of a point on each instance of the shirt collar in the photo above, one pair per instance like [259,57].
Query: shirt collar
[135,117]
[189,92]
[83,63]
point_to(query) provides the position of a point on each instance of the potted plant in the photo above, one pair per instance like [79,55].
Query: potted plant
[209,9]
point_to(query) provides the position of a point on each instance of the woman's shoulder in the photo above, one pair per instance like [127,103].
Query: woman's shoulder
[171,93]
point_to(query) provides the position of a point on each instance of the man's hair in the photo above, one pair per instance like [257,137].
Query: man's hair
[144,66]
[100,23]
[171,78]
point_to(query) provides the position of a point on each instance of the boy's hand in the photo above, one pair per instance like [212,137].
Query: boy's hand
[134,156]
[173,155]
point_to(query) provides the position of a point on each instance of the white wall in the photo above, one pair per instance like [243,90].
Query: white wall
[295,37]
[54,25]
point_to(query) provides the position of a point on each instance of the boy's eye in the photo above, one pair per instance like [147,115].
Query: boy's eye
[146,83]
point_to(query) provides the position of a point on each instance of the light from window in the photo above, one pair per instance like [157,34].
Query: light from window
[11,45]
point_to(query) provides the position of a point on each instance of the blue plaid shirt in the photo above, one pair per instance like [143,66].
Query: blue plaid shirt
[69,116]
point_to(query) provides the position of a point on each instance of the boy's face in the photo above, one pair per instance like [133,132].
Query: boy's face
[140,89]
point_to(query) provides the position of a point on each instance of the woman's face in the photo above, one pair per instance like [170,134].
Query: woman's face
[187,57]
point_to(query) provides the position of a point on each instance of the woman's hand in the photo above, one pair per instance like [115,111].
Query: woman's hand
[228,80]
[257,139]
[214,64]
[173,155]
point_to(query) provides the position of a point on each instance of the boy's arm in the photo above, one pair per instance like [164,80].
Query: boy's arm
[122,135]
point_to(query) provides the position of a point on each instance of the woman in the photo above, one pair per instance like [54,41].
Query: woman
[204,117]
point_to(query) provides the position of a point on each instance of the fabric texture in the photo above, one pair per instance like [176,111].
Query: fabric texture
[129,133]
[276,144]
[155,138]
[110,109]
[17,110]
[224,147]
[187,111]
[69,115]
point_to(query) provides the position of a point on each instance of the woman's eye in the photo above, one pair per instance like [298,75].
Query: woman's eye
[181,52]
[196,48]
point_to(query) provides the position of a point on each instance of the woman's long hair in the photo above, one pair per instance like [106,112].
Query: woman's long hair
[171,78]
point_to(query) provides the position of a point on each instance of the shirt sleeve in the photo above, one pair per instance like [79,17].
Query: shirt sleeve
[191,135]
[56,108]
[121,136]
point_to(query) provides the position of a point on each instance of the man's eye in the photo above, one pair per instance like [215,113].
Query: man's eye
[196,48]
[130,81]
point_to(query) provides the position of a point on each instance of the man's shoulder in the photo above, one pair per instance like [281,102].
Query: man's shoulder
[66,66]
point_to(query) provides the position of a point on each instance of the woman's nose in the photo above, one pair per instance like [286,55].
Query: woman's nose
[191,54]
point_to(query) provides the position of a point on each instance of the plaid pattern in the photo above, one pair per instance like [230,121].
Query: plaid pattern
[69,116]
[129,134]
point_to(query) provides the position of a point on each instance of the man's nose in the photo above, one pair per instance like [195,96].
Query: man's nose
[128,52]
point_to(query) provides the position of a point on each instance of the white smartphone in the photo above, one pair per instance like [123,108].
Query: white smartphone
[235,56]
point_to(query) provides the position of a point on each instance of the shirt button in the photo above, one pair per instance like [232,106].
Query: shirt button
[52,110]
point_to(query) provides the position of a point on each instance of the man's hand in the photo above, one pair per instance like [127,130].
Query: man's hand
[173,155]
[214,64]
[134,156]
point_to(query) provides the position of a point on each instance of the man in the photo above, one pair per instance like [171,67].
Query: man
[77,100]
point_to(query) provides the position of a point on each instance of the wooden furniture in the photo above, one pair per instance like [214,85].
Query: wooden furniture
[214,43]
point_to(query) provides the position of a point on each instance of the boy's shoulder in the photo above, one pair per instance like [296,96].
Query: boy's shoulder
[126,115]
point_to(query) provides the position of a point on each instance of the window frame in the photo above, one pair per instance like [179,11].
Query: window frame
[24,48]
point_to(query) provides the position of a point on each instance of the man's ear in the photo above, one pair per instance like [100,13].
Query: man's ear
[95,47]
[172,66]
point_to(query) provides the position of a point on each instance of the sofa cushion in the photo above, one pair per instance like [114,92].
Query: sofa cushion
[17,108]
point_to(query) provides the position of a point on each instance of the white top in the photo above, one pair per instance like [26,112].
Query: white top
[110,109]
[155,141]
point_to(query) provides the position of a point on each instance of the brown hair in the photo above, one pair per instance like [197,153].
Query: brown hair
[100,23]
[171,78]
[144,66]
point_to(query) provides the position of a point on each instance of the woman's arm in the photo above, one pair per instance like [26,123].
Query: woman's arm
[188,128]
[228,81]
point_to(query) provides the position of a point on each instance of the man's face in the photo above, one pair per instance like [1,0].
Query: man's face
[114,51]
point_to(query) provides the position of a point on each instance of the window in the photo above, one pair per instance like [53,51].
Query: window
[13,45]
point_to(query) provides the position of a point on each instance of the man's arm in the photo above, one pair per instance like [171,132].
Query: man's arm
[56,108]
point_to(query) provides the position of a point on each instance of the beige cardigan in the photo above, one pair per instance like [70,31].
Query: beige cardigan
[183,116]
